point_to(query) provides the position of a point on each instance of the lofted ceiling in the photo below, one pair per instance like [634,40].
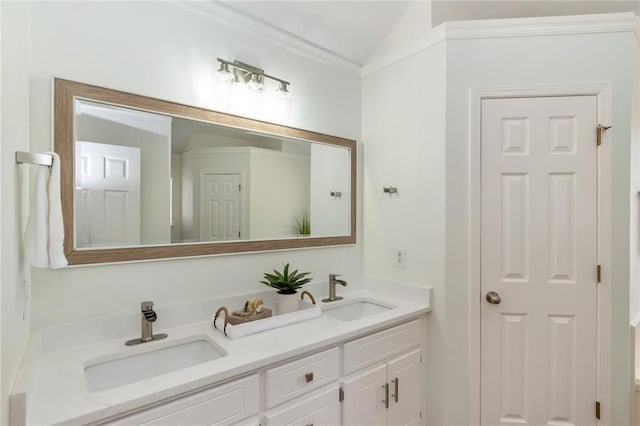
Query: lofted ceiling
[354,30]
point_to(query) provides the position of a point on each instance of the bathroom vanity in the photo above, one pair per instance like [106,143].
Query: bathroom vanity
[352,365]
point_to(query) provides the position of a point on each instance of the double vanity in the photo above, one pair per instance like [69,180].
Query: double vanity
[360,362]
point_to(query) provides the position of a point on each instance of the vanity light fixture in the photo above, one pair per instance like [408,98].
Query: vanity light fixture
[249,76]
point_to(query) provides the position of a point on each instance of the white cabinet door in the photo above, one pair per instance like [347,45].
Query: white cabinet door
[364,395]
[404,375]
[366,401]
[320,409]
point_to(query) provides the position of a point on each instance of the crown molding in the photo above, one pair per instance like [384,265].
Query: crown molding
[435,36]
[543,26]
[221,14]
[516,27]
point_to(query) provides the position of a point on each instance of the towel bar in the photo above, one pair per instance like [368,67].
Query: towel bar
[33,158]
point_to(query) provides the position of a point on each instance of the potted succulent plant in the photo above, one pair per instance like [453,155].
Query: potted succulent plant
[287,283]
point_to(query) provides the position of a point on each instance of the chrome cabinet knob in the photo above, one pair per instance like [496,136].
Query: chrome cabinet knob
[493,298]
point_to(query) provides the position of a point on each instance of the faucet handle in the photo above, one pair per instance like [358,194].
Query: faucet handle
[146,306]
[334,276]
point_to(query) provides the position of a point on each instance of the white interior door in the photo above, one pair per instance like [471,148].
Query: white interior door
[107,196]
[538,253]
[220,207]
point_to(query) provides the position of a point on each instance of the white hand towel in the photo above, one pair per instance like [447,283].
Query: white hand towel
[44,236]
[57,258]
[36,234]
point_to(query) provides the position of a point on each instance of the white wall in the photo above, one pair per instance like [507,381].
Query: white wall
[634,232]
[161,50]
[403,132]
[634,196]
[330,171]
[14,135]
[279,192]
[408,146]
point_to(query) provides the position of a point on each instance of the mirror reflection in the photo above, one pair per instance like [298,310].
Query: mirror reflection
[145,178]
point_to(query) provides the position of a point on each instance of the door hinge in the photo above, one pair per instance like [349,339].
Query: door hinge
[340,395]
[599,131]
[598,273]
[598,410]
[239,187]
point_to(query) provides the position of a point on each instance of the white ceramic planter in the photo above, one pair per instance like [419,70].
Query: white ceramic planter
[286,303]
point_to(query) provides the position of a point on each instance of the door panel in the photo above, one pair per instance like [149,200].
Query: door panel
[514,373]
[538,252]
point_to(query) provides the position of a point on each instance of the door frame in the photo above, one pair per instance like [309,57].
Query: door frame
[603,293]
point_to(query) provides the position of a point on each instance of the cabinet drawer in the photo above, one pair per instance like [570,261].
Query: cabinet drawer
[223,404]
[322,408]
[379,346]
[297,377]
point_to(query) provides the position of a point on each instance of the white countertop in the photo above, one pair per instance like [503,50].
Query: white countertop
[52,372]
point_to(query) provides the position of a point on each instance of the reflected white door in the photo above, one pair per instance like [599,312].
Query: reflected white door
[107,195]
[538,253]
[220,207]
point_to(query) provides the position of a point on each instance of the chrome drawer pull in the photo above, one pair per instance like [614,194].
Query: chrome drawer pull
[308,377]
[385,401]
[396,385]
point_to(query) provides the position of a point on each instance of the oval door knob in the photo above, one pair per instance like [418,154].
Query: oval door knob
[493,298]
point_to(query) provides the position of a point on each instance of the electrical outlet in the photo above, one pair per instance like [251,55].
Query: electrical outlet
[400,257]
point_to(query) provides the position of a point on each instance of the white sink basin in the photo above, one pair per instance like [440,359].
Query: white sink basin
[144,362]
[355,309]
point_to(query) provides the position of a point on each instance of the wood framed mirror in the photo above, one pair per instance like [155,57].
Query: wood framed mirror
[144,178]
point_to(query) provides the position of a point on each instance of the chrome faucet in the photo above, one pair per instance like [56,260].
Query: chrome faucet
[332,288]
[149,316]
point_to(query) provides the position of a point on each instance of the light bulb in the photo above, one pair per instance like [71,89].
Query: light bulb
[283,90]
[256,82]
[223,72]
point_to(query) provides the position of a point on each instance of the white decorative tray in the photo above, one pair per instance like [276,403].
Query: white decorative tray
[305,312]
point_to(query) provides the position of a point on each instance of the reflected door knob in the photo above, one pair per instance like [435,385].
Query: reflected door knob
[493,298]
